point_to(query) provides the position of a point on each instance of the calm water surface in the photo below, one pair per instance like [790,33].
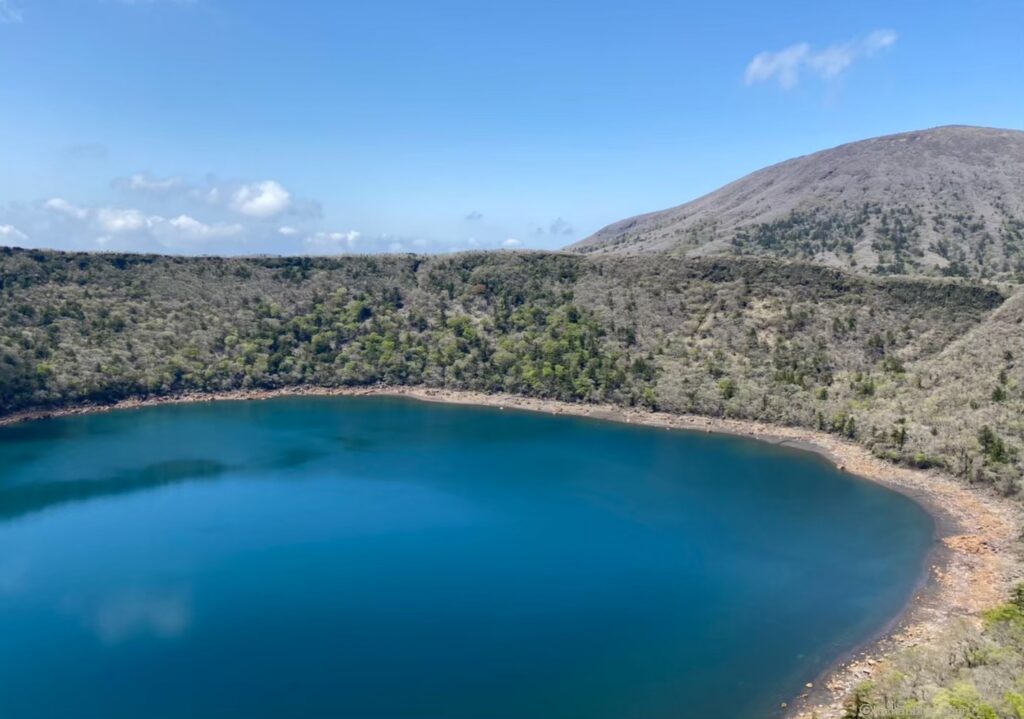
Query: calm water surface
[372,558]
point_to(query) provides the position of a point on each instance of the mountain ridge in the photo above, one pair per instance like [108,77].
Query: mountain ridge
[947,201]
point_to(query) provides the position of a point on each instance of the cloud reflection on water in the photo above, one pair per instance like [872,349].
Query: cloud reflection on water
[136,614]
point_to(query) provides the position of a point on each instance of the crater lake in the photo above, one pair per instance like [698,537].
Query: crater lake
[377,558]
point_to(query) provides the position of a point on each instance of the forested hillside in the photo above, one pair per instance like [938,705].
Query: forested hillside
[100,328]
[927,372]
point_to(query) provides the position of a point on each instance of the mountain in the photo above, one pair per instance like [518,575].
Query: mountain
[946,202]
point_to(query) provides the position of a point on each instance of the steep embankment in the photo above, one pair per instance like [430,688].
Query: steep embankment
[946,201]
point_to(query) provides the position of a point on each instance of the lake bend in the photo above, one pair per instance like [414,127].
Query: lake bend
[381,557]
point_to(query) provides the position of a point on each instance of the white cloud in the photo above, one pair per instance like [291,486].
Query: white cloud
[175,214]
[785,66]
[130,228]
[258,200]
[114,220]
[331,242]
[175,223]
[59,204]
[211,195]
[143,182]
[261,199]
[879,40]
[9,12]
[10,232]
[191,228]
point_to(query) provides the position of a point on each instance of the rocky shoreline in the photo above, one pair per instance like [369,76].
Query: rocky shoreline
[974,564]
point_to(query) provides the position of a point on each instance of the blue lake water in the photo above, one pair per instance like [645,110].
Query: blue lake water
[381,558]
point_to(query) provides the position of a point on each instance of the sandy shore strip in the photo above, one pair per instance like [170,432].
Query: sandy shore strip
[973,570]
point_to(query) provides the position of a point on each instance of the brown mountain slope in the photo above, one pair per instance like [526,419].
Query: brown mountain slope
[946,201]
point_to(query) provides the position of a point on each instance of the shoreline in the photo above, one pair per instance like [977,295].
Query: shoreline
[970,569]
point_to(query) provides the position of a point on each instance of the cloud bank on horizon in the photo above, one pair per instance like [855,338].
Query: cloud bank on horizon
[162,215]
[787,65]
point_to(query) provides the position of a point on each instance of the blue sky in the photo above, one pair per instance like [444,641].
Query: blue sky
[242,126]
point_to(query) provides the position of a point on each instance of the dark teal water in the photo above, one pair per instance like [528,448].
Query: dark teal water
[380,558]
